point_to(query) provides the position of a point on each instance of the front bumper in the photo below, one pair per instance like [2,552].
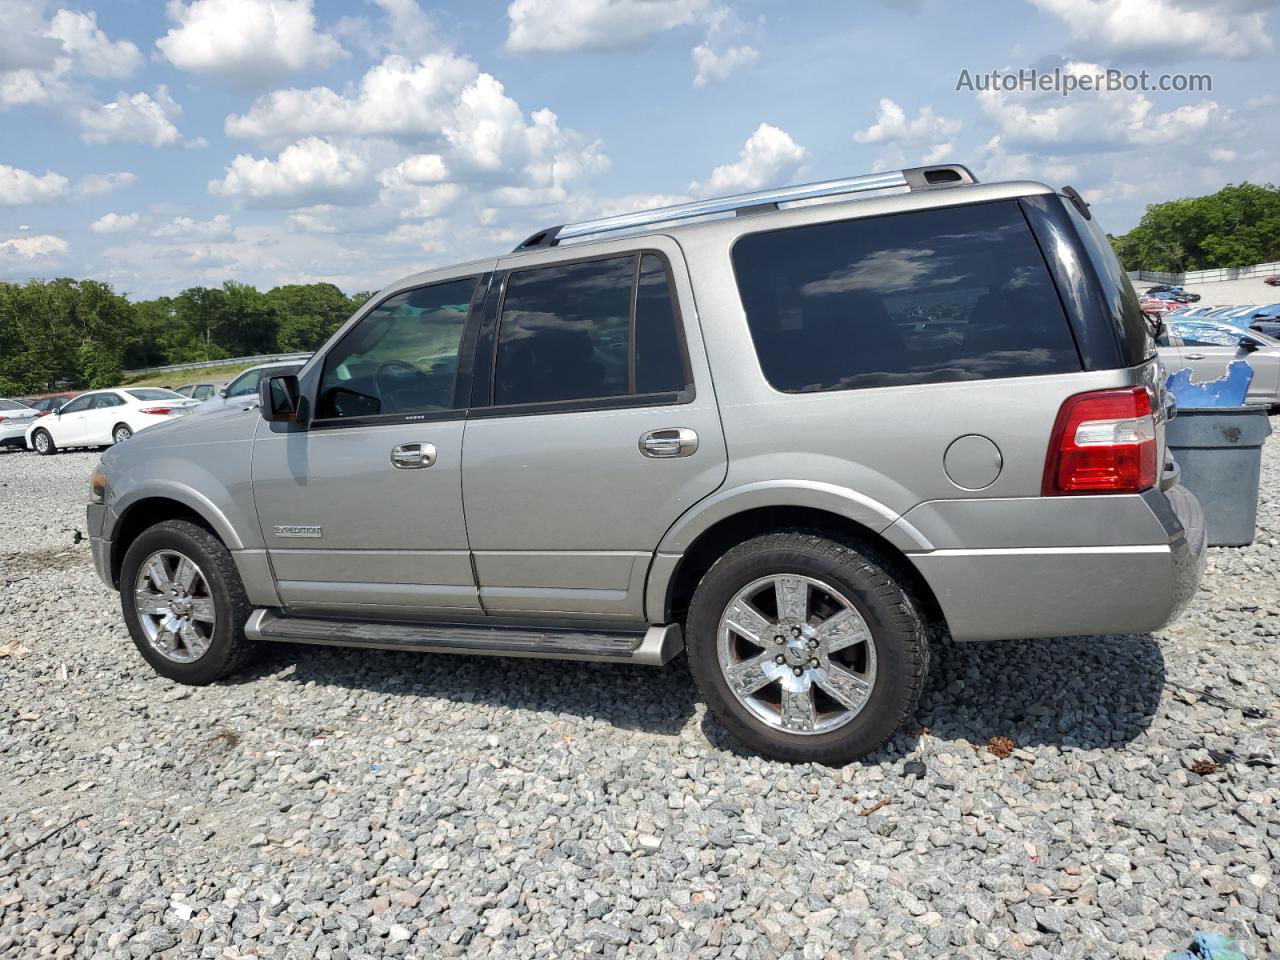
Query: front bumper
[1006,592]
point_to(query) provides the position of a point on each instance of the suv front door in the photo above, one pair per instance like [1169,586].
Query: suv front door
[593,427]
[361,511]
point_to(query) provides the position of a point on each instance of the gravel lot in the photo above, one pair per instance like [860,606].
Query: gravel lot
[353,804]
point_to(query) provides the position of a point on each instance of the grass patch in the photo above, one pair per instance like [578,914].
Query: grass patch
[176,378]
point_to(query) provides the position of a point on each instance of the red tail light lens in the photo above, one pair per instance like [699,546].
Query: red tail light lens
[1103,442]
[159,411]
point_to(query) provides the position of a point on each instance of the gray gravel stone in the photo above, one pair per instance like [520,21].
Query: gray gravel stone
[344,804]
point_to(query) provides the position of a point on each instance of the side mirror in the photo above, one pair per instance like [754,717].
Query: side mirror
[222,392]
[280,400]
[1248,346]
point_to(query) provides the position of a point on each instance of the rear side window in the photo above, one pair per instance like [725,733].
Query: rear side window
[1136,342]
[591,329]
[934,296]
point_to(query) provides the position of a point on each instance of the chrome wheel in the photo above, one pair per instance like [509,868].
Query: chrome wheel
[41,441]
[174,606]
[122,434]
[797,654]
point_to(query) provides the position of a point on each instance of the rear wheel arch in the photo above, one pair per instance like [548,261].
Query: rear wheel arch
[727,533]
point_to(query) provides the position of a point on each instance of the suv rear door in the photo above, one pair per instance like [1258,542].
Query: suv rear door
[593,427]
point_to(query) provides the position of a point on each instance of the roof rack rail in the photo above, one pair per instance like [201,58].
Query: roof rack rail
[761,201]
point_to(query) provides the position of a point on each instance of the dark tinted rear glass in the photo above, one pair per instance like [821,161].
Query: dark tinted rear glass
[957,293]
[659,366]
[1136,342]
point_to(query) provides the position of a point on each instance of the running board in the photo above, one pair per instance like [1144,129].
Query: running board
[654,647]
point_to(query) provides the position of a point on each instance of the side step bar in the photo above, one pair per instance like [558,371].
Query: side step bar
[654,647]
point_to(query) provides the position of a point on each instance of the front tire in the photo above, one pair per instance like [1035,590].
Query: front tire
[42,440]
[184,603]
[807,649]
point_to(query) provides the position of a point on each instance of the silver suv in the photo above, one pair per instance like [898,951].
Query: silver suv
[785,438]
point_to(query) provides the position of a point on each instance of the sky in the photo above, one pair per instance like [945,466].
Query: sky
[159,146]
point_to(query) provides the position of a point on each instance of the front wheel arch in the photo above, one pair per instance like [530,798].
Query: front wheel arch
[140,517]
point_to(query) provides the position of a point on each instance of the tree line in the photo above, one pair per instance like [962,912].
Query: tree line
[1236,227]
[76,334]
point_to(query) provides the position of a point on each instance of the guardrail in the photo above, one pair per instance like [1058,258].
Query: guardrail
[229,362]
[1207,276]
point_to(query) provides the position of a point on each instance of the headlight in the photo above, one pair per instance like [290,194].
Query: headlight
[98,485]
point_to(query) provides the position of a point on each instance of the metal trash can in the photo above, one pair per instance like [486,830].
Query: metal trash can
[1220,453]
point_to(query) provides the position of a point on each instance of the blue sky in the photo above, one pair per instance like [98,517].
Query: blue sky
[160,146]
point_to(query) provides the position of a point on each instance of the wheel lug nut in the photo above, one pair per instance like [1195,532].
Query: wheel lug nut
[779,639]
[779,659]
[813,662]
[797,671]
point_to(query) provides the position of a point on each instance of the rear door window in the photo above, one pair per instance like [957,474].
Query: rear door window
[591,329]
[933,296]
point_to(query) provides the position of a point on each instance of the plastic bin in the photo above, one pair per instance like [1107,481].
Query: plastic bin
[1220,453]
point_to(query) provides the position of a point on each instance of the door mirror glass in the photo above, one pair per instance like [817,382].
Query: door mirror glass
[280,399]
[1248,345]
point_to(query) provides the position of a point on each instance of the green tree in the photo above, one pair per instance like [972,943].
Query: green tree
[311,313]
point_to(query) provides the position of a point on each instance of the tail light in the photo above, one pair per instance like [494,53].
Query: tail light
[1103,442]
[158,411]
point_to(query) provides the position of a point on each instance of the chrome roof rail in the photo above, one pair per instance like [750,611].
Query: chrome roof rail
[761,201]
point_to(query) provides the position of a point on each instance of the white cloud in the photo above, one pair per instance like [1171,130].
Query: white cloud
[94,184]
[404,28]
[714,65]
[133,118]
[556,26]
[31,247]
[246,43]
[115,223]
[1164,29]
[18,186]
[892,126]
[995,162]
[25,43]
[722,53]
[396,97]
[1042,120]
[96,54]
[218,228]
[308,172]
[768,158]
[1220,155]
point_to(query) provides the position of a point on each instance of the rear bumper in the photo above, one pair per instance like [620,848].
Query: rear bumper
[1007,592]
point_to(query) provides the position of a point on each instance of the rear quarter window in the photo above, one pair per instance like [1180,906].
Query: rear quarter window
[932,296]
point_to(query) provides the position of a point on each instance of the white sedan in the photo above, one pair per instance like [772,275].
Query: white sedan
[103,417]
[15,417]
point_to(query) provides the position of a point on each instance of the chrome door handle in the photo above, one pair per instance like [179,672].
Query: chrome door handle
[1193,356]
[411,456]
[674,442]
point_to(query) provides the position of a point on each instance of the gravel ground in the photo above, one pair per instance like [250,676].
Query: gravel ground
[358,804]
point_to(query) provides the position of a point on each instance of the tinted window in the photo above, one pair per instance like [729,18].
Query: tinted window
[103,400]
[202,392]
[929,297]
[10,405]
[76,405]
[185,391]
[244,384]
[1135,334]
[154,393]
[659,365]
[565,332]
[402,357]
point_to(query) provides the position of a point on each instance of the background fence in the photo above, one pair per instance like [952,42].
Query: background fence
[230,362]
[1207,276]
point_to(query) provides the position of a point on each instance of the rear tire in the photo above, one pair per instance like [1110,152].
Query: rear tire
[42,440]
[839,653]
[217,648]
[121,432]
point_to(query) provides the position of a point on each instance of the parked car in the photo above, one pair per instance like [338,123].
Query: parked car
[200,391]
[1245,317]
[1164,291]
[790,481]
[244,388]
[1206,348]
[15,417]
[48,404]
[1156,307]
[1273,281]
[102,417]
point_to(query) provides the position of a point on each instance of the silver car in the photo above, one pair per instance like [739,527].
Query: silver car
[243,390]
[1206,348]
[787,440]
